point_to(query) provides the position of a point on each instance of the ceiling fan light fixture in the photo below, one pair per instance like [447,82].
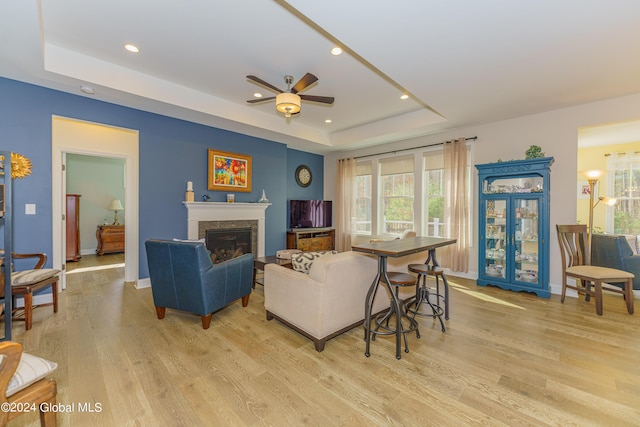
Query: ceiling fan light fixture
[288,103]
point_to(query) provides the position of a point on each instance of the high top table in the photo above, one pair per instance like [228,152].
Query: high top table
[395,249]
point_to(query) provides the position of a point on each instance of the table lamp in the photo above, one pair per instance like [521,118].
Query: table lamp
[115,206]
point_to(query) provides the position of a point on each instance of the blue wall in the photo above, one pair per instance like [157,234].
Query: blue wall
[172,152]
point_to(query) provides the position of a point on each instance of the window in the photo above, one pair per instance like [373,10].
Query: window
[434,223]
[397,194]
[433,194]
[363,198]
[624,168]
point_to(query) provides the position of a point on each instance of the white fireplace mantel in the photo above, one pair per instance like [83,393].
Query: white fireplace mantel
[221,211]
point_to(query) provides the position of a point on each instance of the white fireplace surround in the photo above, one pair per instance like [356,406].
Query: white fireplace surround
[221,211]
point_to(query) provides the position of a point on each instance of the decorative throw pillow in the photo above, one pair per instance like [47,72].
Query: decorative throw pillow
[30,369]
[632,240]
[302,262]
[27,277]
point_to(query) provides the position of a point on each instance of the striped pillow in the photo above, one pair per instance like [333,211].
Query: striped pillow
[27,277]
[30,369]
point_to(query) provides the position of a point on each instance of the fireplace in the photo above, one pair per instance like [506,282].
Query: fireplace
[229,243]
[202,216]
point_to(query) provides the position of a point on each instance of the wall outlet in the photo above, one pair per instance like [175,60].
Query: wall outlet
[30,209]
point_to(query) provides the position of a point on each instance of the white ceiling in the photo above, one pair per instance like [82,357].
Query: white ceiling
[463,62]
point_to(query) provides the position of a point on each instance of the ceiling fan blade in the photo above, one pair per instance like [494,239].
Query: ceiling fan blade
[305,81]
[256,100]
[322,99]
[265,84]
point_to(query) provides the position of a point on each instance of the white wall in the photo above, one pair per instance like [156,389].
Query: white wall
[555,131]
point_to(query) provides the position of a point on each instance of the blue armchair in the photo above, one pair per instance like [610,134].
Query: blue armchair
[609,250]
[184,278]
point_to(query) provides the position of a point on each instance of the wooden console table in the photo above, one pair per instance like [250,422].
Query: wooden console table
[110,239]
[311,239]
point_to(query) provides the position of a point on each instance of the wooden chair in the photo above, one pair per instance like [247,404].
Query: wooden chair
[26,282]
[23,384]
[576,260]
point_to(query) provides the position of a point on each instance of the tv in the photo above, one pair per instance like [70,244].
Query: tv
[309,213]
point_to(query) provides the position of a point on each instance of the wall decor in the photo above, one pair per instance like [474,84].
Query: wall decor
[303,176]
[20,165]
[584,190]
[229,171]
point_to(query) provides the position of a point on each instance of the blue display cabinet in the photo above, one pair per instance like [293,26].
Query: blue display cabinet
[513,225]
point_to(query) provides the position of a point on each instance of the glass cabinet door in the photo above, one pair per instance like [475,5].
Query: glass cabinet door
[496,238]
[513,229]
[526,246]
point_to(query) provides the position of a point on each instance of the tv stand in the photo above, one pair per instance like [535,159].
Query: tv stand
[311,239]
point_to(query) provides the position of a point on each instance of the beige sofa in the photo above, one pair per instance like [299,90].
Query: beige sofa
[330,299]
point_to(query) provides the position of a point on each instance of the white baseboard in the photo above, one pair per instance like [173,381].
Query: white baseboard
[37,299]
[473,275]
[143,283]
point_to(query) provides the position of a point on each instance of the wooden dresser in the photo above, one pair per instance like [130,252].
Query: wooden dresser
[110,239]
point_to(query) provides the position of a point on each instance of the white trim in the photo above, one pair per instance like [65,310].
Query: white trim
[37,300]
[143,283]
[76,136]
[221,211]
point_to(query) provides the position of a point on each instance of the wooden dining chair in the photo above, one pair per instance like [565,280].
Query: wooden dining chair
[23,384]
[589,279]
[25,282]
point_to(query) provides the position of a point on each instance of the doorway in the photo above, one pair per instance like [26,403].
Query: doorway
[601,148]
[92,139]
[93,184]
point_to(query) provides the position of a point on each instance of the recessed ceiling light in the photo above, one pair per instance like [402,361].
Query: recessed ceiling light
[257,95]
[87,89]
[404,96]
[328,121]
[132,48]
[336,51]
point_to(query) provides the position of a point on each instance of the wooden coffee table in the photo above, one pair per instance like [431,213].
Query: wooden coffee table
[260,262]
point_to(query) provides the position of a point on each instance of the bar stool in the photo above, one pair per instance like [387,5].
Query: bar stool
[396,308]
[423,292]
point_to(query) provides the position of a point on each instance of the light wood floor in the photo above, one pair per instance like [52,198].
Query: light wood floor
[506,359]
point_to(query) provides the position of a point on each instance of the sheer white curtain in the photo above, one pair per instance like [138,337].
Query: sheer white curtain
[345,204]
[623,183]
[456,202]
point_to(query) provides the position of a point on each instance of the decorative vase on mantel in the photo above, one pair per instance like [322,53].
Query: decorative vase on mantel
[263,199]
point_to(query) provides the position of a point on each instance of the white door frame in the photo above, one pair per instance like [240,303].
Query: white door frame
[80,137]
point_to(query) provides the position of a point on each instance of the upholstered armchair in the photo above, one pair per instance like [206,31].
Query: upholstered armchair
[184,278]
[614,251]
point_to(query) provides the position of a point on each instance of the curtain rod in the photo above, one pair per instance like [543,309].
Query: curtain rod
[473,138]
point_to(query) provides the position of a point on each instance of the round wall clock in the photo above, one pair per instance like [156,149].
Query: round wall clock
[303,176]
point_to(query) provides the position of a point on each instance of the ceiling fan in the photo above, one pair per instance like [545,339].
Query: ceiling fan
[288,101]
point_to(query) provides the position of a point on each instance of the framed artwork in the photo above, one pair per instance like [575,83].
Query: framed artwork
[229,171]
[584,190]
